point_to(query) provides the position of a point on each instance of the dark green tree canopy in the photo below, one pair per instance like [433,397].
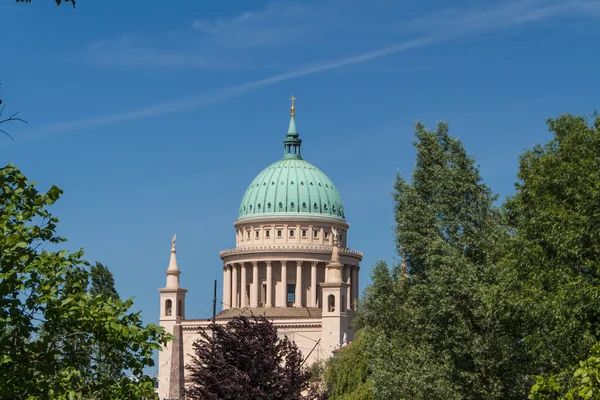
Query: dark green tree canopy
[348,376]
[102,282]
[430,330]
[491,298]
[553,259]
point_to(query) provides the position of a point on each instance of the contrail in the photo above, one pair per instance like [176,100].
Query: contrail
[463,25]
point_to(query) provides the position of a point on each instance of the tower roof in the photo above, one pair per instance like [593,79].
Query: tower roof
[291,186]
[173,271]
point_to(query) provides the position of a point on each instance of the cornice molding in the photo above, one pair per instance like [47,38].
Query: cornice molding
[289,248]
[270,219]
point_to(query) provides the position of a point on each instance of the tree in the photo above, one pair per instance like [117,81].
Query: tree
[433,329]
[102,282]
[245,360]
[580,382]
[51,327]
[11,118]
[552,268]
[58,2]
[348,376]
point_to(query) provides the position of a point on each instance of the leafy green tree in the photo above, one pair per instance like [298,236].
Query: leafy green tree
[51,327]
[348,376]
[580,382]
[552,268]
[245,360]
[433,331]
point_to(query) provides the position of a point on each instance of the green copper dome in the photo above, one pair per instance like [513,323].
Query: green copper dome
[291,187]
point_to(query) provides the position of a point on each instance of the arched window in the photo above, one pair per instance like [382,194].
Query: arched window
[331,303]
[168,307]
[179,308]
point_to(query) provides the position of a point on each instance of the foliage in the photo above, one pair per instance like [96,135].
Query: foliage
[492,298]
[51,327]
[316,383]
[245,360]
[553,263]
[584,382]
[348,375]
[437,334]
[102,282]
[58,2]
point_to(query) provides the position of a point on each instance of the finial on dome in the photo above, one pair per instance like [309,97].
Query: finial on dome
[173,243]
[292,108]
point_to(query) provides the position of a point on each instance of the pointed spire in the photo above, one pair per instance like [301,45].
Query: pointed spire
[173,271]
[292,142]
[335,266]
[292,128]
[173,260]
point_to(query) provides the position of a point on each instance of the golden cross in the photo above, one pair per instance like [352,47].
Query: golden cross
[293,109]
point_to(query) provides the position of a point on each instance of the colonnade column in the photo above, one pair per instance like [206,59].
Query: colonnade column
[283,290]
[298,294]
[226,287]
[269,302]
[255,287]
[234,286]
[350,289]
[355,288]
[313,284]
[243,302]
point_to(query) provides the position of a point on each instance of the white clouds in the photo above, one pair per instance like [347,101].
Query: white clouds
[286,32]
[234,42]
[441,27]
[131,52]
[482,19]
[280,22]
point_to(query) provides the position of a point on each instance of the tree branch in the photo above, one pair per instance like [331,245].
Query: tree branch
[9,119]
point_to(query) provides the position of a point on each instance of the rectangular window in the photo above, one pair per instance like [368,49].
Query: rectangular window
[257,233]
[291,293]
[248,234]
[315,233]
[303,232]
[268,234]
[279,233]
[292,233]
[326,235]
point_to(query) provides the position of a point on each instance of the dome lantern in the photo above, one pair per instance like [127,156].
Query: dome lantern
[292,142]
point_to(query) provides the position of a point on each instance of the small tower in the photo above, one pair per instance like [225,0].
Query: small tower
[292,141]
[172,312]
[335,290]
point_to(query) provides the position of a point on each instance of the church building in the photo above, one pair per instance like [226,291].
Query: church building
[291,263]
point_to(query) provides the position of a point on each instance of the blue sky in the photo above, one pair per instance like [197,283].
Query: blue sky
[153,117]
